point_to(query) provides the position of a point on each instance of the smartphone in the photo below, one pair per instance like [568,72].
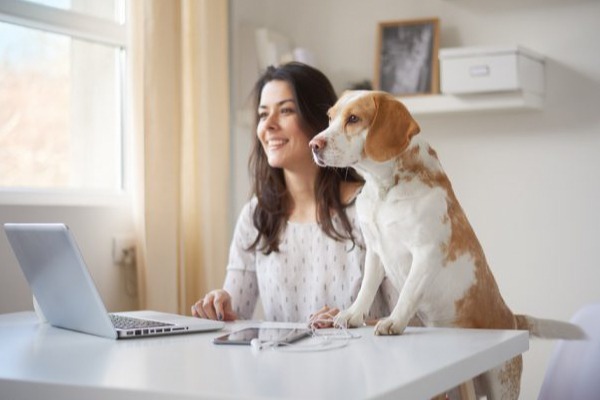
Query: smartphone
[274,335]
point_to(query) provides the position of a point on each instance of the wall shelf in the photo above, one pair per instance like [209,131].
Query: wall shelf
[449,104]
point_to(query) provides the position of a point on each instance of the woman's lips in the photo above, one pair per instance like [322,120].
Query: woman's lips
[274,144]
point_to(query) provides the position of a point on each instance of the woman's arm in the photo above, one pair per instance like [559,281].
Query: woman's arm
[243,286]
[238,297]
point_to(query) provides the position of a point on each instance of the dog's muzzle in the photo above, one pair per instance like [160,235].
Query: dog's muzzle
[316,146]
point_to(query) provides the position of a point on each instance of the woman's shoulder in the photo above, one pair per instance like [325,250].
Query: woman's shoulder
[246,213]
[247,207]
[251,204]
[349,191]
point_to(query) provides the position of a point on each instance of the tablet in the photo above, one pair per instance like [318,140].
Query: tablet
[273,335]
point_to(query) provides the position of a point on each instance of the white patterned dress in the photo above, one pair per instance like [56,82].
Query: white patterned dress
[310,270]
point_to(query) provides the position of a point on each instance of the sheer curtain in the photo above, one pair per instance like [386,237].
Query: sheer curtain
[180,108]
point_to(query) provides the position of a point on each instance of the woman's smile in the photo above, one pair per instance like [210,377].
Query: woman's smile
[276,143]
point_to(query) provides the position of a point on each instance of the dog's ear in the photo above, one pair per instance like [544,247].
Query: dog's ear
[391,129]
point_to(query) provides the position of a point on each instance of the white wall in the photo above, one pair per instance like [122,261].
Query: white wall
[94,228]
[529,181]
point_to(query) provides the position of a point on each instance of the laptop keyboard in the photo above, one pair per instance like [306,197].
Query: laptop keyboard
[122,322]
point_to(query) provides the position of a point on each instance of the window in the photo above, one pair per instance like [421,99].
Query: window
[61,96]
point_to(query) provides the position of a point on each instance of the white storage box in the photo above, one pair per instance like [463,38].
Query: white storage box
[467,70]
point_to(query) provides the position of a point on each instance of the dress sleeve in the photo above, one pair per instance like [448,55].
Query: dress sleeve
[240,281]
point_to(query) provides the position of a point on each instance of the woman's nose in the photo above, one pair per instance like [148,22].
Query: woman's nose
[271,120]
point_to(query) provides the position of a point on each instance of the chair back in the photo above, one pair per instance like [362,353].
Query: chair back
[574,369]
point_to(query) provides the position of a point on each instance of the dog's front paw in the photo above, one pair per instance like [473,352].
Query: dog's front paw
[389,326]
[348,319]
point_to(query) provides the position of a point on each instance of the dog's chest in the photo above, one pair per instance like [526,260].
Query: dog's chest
[396,222]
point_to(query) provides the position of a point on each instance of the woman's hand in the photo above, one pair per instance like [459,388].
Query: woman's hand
[323,318]
[216,304]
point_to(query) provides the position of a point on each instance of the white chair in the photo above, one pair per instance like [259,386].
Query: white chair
[574,369]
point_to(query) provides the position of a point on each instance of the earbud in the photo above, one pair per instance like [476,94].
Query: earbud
[255,345]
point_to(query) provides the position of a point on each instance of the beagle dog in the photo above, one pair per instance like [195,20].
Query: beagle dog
[417,234]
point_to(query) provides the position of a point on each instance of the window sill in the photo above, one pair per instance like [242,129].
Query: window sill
[54,197]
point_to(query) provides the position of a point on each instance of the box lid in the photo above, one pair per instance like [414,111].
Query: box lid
[479,51]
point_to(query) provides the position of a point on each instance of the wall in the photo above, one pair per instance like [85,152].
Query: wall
[529,181]
[94,227]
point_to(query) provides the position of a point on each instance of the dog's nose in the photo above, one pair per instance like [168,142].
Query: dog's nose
[316,144]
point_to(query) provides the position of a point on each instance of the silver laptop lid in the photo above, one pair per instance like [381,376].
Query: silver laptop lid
[58,277]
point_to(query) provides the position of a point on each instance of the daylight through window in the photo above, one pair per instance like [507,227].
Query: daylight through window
[61,95]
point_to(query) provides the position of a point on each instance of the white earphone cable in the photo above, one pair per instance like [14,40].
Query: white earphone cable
[325,340]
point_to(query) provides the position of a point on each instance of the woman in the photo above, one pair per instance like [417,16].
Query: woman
[296,244]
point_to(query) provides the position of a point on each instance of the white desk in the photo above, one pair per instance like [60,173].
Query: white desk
[41,362]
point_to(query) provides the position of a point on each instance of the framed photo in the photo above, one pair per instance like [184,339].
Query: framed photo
[407,57]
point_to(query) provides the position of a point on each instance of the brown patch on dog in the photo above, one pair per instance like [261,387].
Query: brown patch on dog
[432,152]
[410,165]
[391,129]
[510,376]
[462,239]
[482,305]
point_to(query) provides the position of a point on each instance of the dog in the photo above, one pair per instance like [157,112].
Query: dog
[417,234]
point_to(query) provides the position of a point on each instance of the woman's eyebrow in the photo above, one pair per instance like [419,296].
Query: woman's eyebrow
[279,103]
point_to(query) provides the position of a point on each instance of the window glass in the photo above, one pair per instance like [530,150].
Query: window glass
[105,9]
[60,111]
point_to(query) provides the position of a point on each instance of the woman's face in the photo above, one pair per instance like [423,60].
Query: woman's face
[280,130]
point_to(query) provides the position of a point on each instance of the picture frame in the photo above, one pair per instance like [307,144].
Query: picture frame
[406,61]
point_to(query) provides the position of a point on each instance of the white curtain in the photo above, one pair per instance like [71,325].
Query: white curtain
[180,88]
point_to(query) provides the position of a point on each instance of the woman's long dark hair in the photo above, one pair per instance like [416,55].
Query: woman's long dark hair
[314,95]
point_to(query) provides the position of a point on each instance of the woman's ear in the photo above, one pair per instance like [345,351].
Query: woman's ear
[391,129]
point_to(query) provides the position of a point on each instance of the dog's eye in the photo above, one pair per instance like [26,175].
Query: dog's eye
[352,119]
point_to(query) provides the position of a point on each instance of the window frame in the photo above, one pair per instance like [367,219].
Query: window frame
[89,28]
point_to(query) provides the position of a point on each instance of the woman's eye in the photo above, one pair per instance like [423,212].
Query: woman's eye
[262,115]
[287,110]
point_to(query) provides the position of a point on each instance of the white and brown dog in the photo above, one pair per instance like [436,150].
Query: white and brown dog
[417,234]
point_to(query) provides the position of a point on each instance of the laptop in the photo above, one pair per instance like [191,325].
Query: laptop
[65,292]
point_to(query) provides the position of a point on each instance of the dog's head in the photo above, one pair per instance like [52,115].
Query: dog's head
[364,124]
